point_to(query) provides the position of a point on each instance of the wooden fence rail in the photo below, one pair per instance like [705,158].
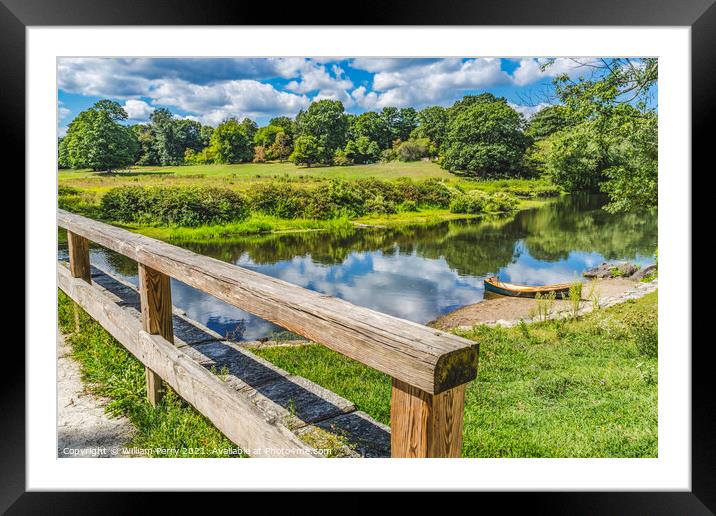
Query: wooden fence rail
[429,367]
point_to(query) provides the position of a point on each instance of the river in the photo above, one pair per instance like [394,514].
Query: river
[418,272]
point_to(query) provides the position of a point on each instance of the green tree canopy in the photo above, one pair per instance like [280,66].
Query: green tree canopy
[485,139]
[432,124]
[362,150]
[96,139]
[230,143]
[547,121]
[307,150]
[327,122]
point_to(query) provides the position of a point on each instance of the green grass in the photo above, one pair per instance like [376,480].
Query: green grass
[256,224]
[244,176]
[109,370]
[581,388]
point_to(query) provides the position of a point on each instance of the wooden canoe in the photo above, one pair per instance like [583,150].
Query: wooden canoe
[492,284]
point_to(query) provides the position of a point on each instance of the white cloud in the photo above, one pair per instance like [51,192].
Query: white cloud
[138,110]
[436,82]
[62,111]
[315,77]
[528,111]
[212,103]
[530,69]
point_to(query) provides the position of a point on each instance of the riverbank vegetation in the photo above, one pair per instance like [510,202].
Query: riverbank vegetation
[293,204]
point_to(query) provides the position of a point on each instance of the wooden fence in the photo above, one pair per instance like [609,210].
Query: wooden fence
[429,367]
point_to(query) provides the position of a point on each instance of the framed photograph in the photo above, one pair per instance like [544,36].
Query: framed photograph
[432,235]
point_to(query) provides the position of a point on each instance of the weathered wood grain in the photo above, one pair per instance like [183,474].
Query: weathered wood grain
[78,248]
[425,425]
[234,415]
[432,360]
[155,295]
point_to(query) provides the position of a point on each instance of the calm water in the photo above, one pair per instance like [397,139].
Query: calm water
[419,272]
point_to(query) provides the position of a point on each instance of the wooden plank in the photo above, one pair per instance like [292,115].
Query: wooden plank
[78,248]
[429,359]
[425,425]
[237,417]
[155,295]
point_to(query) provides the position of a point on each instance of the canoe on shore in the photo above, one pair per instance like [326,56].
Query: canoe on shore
[492,284]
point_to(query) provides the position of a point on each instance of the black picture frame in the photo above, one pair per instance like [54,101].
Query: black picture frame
[700,15]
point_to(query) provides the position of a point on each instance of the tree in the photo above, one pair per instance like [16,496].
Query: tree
[362,150]
[173,136]
[326,121]
[96,139]
[250,128]
[63,160]
[373,126]
[287,124]
[547,121]
[307,151]
[147,149]
[485,139]
[432,124]
[230,143]
[399,122]
[205,135]
[610,113]
[265,136]
[281,148]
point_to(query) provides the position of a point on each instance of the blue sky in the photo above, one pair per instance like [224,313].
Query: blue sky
[213,89]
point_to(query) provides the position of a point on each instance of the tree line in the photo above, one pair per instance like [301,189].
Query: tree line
[600,135]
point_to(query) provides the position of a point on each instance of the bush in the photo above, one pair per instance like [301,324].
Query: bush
[280,199]
[413,150]
[407,206]
[476,202]
[173,206]
[467,203]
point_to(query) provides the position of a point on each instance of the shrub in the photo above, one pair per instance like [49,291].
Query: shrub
[340,159]
[279,199]
[468,203]
[188,206]
[380,205]
[475,202]
[413,150]
[408,206]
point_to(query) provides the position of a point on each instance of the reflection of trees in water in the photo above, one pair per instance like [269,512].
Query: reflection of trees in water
[120,263]
[579,224]
[473,247]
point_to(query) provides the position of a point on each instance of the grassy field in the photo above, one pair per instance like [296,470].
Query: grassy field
[583,388]
[245,175]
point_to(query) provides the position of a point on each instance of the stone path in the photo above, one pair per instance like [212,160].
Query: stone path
[84,430]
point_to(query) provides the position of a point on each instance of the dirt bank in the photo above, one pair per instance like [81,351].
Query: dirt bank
[501,309]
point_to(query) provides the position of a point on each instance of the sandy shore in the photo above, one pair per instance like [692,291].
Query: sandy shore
[497,307]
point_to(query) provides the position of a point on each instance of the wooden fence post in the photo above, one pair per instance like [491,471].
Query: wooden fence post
[155,296]
[79,256]
[426,425]
[78,248]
